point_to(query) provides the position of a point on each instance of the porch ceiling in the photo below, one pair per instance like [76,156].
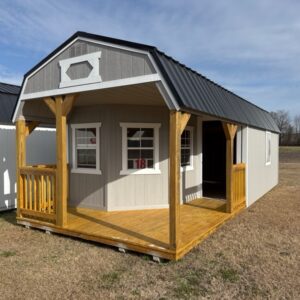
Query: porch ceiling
[139,94]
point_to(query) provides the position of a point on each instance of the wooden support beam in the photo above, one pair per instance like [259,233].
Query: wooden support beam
[174,178]
[230,131]
[68,103]
[30,126]
[61,161]
[184,118]
[20,162]
[51,104]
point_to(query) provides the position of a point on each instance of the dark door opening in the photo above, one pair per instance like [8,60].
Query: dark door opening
[214,160]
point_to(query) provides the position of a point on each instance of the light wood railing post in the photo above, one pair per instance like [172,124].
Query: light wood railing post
[178,123]
[230,131]
[60,107]
[20,162]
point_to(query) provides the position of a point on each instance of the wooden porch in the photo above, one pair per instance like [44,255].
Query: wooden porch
[169,233]
[145,231]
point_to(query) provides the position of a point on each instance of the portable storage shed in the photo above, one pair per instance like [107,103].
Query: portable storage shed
[150,155]
[40,146]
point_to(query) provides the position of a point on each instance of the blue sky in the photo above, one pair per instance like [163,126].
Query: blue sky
[251,47]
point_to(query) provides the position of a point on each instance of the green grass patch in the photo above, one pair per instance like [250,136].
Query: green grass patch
[190,285]
[229,275]
[7,253]
[110,279]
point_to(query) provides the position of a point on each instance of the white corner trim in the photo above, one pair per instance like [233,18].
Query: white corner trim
[93,86]
[247,166]
[94,76]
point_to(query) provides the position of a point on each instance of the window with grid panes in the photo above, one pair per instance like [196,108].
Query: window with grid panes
[186,147]
[140,148]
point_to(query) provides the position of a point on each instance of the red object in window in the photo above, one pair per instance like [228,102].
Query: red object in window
[140,163]
[93,140]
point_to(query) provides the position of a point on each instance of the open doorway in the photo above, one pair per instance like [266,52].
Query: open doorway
[214,160]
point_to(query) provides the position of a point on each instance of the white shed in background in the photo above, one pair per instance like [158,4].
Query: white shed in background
[40,146]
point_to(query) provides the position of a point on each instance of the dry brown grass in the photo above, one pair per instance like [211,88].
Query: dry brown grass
[253,256]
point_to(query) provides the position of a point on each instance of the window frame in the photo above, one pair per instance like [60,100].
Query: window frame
[97,170]
[155,169]
[268,137]
[191,166]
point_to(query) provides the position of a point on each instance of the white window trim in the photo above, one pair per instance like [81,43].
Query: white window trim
[191,166]
[74,169]
[268,134]
[125,170]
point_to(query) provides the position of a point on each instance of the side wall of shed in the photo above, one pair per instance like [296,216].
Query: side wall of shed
[261,177]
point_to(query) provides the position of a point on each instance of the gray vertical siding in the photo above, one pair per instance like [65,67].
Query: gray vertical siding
[112,191]
[261,177]
[114,64]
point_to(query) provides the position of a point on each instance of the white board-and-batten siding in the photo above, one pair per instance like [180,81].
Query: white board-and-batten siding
[261,177]
[112,191]
[40,150]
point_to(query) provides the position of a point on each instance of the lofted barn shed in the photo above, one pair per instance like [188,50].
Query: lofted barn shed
[150,155]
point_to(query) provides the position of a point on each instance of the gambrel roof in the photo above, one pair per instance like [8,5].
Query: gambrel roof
[192,91]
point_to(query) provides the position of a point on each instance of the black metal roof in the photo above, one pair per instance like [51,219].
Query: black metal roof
[8,88]
[8,99]
[192,91]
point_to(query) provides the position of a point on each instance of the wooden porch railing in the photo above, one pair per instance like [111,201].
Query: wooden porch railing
[239,186]
[38,195]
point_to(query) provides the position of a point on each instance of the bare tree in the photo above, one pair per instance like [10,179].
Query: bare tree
[297,123]
[282,118]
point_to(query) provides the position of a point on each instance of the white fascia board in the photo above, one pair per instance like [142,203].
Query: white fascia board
[93,86]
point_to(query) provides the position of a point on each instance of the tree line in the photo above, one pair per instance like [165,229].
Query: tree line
[289,127]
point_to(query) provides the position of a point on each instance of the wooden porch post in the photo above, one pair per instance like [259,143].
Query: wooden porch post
[21,161]
[230,131]
[23,129]
[60,107]
[178,123]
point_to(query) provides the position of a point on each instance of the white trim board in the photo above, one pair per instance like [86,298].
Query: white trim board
[74,169]
[93,86]
[145,171]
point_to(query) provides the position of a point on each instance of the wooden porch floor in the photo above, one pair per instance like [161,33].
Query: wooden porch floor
[145,231]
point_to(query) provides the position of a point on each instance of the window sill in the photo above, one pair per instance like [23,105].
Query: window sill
[188,168]
[140,172]
[86,171]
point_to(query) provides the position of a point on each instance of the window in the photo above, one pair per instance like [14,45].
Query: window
[187,149]
[140,148]
[268,148]
[85,150]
